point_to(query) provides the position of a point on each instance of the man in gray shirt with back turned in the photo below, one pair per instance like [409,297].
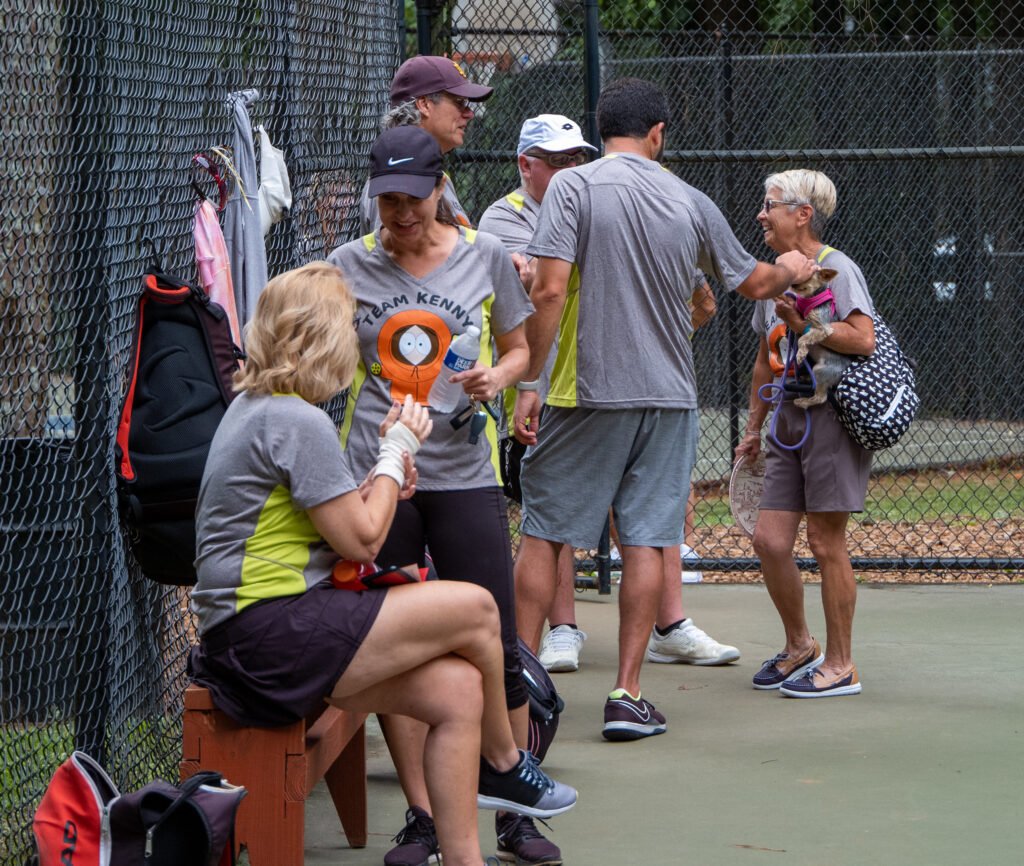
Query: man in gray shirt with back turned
[621,415]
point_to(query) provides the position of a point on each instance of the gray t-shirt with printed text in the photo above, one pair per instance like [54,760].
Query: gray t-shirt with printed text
[405,326]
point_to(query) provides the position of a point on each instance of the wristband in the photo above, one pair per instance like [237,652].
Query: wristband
[532,385]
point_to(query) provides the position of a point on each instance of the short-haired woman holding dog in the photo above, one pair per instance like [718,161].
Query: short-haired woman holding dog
[825,478]
[278,509]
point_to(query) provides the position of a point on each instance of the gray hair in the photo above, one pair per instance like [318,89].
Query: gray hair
[407,114]
[806,186]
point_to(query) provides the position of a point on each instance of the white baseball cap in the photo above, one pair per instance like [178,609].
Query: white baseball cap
[551,132]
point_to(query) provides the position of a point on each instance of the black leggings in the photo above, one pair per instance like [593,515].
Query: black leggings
[467,533]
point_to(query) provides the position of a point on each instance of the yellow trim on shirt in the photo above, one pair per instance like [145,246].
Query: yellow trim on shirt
[517,200]
[277,552]
[350,404]
[370,242]
[563,377]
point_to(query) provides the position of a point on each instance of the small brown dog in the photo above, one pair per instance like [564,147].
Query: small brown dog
[828,366]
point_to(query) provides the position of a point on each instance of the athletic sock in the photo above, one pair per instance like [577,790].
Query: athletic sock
[571,625]
[622,693]
[664,631]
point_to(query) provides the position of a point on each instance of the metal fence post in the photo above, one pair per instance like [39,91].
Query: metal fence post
[592,64]
[84,223]
[424,25]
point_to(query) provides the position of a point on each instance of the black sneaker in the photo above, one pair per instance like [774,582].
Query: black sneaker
[525,789]
[520,842]
[417,841]
[629,718]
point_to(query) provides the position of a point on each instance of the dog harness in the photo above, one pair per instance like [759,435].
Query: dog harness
[805,305]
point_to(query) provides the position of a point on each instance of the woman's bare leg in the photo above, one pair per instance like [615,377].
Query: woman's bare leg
[451,754]
[419,622]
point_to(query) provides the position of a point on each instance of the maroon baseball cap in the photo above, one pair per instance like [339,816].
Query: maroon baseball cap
[428,73]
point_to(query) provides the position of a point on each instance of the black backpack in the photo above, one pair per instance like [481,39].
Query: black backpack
[545,703]
[179,386]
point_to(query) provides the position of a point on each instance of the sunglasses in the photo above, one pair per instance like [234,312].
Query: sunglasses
[460,102]
[769,203]
[560,160]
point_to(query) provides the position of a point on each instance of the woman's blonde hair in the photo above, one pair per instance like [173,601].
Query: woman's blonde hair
[806,186]
[302,338]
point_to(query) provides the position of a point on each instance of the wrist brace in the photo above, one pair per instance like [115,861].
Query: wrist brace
[389,459]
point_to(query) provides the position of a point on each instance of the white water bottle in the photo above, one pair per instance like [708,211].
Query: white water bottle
[461,355]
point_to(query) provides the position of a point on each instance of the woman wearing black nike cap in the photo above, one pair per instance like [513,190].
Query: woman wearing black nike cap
[420,281]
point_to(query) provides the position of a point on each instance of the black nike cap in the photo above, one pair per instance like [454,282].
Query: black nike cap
[405,159]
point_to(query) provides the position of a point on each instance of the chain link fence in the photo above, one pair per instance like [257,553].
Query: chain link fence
[912,108]
[102,106]
[914,111]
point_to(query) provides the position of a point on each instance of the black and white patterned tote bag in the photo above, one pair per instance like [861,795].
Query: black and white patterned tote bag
[876,397]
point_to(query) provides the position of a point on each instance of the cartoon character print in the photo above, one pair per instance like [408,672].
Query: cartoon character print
[411,346]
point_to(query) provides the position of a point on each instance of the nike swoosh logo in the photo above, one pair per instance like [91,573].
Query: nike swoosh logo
[393,161]
[645,716]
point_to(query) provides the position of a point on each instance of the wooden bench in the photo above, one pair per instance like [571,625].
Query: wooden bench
[280,767]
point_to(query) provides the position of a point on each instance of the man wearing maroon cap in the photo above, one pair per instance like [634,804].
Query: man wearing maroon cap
[433,93]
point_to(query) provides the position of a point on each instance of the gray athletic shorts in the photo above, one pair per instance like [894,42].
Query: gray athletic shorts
[828,473]
[585,460]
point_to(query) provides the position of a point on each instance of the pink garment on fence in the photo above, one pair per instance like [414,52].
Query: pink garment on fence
[214,264]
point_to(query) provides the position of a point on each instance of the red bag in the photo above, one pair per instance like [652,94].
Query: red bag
[84,820]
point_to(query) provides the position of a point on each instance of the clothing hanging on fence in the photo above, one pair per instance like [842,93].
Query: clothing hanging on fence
[214,264]
[275,186]
[242,231]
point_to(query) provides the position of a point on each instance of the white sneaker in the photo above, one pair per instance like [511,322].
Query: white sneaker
[560,649]
[687,644]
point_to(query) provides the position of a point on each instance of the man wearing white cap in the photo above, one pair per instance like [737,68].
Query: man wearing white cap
[548,143]
[434,93]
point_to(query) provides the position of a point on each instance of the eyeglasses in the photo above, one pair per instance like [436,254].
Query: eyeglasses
[769,203]
[460,102]
[561,160]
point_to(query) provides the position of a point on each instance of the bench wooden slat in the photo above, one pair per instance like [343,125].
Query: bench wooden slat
[280,767]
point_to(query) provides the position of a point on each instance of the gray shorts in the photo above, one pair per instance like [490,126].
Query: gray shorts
[828,473]
[587,460]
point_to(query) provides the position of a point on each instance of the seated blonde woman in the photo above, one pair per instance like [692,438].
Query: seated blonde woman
[278,509]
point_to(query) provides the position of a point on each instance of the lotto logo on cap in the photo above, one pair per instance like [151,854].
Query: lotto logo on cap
[553,133]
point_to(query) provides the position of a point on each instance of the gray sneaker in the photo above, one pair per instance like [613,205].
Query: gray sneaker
[686,644]
[525,789]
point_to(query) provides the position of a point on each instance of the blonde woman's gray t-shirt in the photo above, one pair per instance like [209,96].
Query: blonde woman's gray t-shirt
[271,458]
[638,234]
[405,325]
